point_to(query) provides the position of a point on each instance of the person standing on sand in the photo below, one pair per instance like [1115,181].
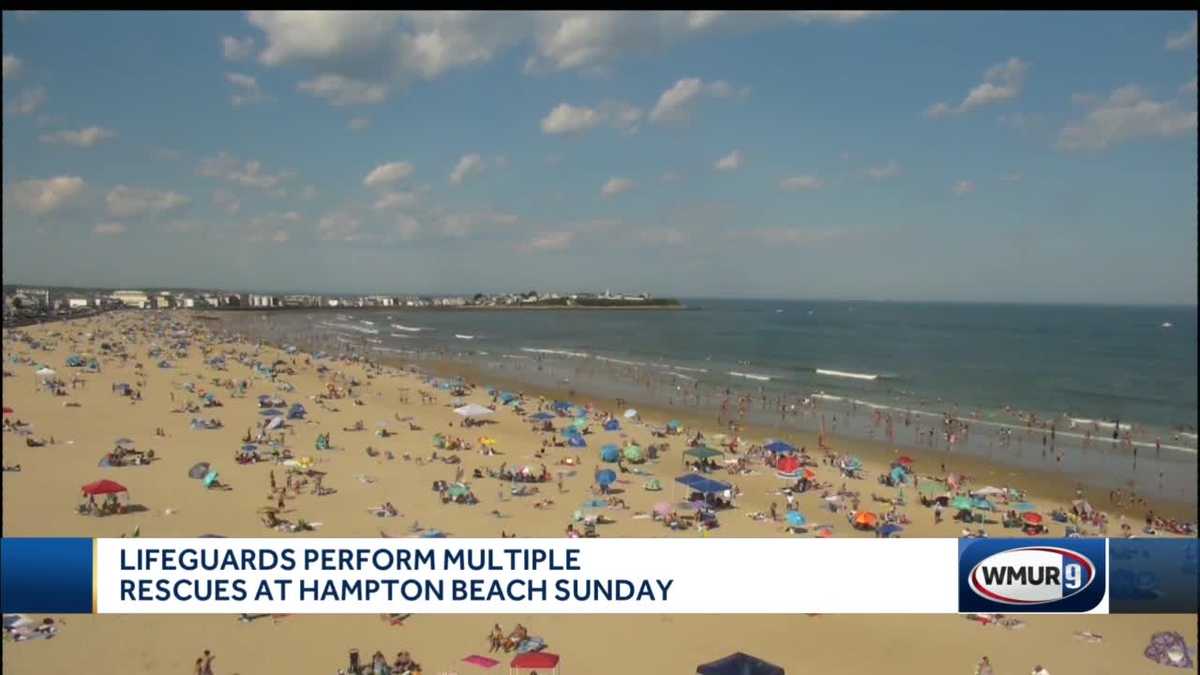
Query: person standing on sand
[984,667]
[208,659]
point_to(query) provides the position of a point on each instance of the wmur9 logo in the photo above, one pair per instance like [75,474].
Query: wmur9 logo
[1006,575]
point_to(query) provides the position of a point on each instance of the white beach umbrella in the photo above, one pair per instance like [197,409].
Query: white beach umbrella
[46,372]
[473,410]
[631,413]
[275,423]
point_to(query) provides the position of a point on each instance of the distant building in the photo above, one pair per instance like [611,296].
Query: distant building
[31,298]
[134,299]
[77,303]
[261,301]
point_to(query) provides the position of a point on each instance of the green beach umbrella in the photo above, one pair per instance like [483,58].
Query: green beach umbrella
[961,502]
[458,490]
[633,453]
[703,453]
[579,423]
[933,488]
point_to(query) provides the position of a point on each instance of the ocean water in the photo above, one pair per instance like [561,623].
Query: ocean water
[991,363]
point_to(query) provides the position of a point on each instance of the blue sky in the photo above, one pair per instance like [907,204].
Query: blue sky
[973,156]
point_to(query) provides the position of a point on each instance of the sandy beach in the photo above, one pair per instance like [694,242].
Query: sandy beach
[365,470]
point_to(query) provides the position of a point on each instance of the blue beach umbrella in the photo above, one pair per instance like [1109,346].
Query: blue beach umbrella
[796,519]
[606,477]
[247,449]
[610,453]
[890,529]
[780,448]
[898,475]
[541,417]
[576,441]
[210,478]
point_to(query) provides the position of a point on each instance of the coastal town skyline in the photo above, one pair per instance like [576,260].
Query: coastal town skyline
[848,155]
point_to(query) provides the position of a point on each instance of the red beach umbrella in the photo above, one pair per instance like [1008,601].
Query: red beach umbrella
[905,460]
[8,410]
[103,487]
[1032,518]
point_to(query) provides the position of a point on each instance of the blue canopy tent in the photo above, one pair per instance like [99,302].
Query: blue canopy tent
[612,425]
[610,453]
[780,448]
[706,486]
[739,663]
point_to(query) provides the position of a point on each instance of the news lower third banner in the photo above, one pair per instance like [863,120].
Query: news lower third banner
[598,576]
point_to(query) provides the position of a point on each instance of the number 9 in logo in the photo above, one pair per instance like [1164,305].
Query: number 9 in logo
[1072,576]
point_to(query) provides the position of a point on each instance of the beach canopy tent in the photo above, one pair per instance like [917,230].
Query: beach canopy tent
[540,661]
[606,477]
[702,453]
[576,441]
[612,425]
[541,417]
[739,663]
[780,448]
[703,485]
[610,453]
[473,410]
[103,487]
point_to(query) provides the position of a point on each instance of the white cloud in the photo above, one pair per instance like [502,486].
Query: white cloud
[84,138]
[1127,114]
[109,229]
[466,166]
[460,225]
[12,66]
[962,187]
[40,197]
[339,227]
[551,241]
[1001,82]
[226,200]
[731,162]
[125,202]
[27,102]
[675,103]
[665,236]
[798,183]
[792,236]
[889,170]
[249,173]
[393,200]
[237,49]
[342,91]
[247,91]
[385,174]
[1184,40]
[568,119]
[359,123]
[270,227]
[616,186]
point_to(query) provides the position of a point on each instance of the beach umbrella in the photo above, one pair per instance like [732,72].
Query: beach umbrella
[796,519]
[630,414]
[606,477]
[1032,518]
[579,423]
[8,410]
[739,663]
[210,478]
[890,529]
[987,491]
[103,487]
[1023,507]
[458,490]
[46,372]
[853,463]
[961,502]
[248,449]
[270,412]
[576,442]
[473,410]
[673,424]
[809,474]
[633,453]
[824,532]
[866,519]
[487,441]
[904,460]
[275,423]
[481,661]
[981,504]
[898,475]
[780,448]
[541,417]
[610,453]
[612,425]
[198,470]
[663,508]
